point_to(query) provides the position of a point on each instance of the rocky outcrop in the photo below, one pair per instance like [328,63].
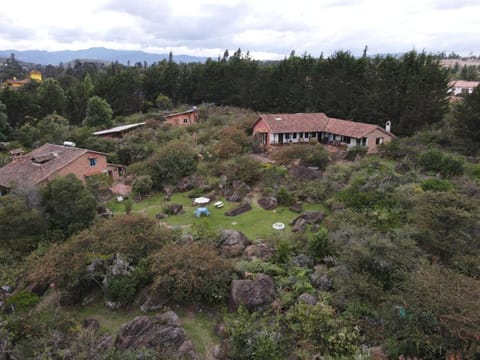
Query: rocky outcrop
[260,251]
[319,278]
[268,202]
[237,191]
[174,209]
[252,293]
[239,210]
[299,224]
[163,334]
[232,243]
[148,300]
[296,207]
[306,298]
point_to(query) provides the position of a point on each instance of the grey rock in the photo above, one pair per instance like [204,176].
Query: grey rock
[307,299]
[302,260]
[260,251]
[268,202]
[252,293]
[232,243]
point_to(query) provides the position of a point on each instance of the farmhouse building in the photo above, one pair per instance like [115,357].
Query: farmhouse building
[33,75]
[463,87]
[276,129]
[50,161]
[119,131]
[183,118]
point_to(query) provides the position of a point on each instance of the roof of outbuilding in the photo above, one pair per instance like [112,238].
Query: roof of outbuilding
[464,84]
[40,163]
[307,122]
[119,129]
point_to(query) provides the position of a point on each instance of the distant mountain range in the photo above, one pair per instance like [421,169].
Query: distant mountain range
[94,54]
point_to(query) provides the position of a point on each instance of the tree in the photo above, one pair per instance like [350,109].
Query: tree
[5,127]
[52,128]
[69,206]
[467,116]
[172,162]
[99,113]
[21,227]
[51,97]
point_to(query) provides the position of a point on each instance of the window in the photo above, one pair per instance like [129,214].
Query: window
[185,120]
[287,136]
[294,136]
[379,140]
[93,161]
[306,135]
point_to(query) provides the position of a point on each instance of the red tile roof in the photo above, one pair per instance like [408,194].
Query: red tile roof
[307,122]
[42,162]
[464,84]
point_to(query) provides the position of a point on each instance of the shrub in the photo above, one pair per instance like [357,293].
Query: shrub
[284,197]
[436,161]
[142,185]
[191,272]
[172,162]
[436,185]
[355,151]
[23,300]
[319,244]
[309,154]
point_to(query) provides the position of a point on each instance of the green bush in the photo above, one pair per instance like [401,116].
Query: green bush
[142,185]
[191,272]
[436,185]
[23,300]
[284,197]
[355,151]
[320,245]
[439,162]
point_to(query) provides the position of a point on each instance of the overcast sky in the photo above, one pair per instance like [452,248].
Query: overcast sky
[269,29]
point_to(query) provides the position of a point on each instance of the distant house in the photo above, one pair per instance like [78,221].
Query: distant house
[463,87]
[276,129]
[118,131]
[51,161]
[16,84]
[183,118]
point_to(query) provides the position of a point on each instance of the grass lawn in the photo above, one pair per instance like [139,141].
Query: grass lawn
[255,224]
[110,320]
[198,326]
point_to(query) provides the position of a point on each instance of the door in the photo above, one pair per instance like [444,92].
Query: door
[280,138]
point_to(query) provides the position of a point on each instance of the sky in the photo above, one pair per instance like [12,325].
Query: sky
[268,29]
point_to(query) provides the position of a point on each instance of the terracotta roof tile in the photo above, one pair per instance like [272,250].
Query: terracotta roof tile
[49,158]
[307,122]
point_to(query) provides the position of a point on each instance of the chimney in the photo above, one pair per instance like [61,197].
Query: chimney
[388,125]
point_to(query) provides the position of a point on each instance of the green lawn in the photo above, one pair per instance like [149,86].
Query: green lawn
[198,326]
[110,320]
[255,224]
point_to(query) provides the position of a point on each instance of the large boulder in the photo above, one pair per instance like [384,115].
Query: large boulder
[148,300]
[162,334]
[309,217]
[239,210]
[237,191]
[232,243]
[252,293]
[174,209]
[268,202]
[260,251]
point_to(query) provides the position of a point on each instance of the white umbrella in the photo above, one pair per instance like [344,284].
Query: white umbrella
[201,200]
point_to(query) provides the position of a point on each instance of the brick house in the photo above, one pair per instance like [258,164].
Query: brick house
[119,131]
[277,129]
[183,118]
[459,87]
[50,161]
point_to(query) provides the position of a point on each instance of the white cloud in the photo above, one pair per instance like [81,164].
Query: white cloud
[269,28]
